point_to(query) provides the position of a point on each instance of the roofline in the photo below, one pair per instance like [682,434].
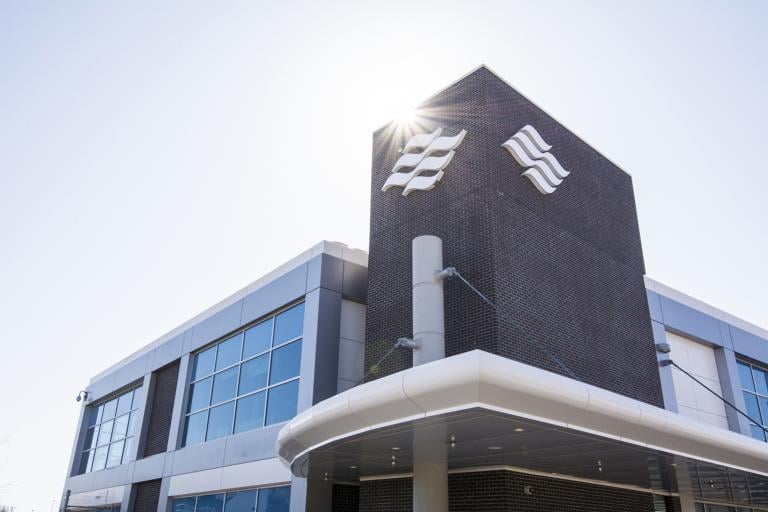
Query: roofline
[507,82]
[336,249]
[703,307]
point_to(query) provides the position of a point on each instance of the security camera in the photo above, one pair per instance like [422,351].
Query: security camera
[81,395]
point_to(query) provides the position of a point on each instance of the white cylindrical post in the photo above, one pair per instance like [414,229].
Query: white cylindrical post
[428,308]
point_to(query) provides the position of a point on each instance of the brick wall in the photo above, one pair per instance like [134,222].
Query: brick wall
[566,269]
[501,491]
[159,427]
[147,496]
[345,498]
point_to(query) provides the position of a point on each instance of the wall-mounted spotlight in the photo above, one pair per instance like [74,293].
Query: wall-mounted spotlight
[82,395]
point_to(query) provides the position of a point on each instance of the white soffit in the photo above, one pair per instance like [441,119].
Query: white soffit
[479,379]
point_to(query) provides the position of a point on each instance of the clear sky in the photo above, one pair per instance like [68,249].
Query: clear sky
[157,156]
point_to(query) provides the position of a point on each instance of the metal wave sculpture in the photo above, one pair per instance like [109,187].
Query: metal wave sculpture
[422,161]
[528,148]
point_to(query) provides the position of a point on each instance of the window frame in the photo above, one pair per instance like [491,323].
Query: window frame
[266,388]
[762,409]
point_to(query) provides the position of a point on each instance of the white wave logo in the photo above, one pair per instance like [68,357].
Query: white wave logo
[529,150]
[422,161]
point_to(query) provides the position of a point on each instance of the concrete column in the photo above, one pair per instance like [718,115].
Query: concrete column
[430,486]
[428,307]
[684,487]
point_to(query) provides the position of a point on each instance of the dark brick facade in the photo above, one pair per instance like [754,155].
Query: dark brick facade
[163,396]
[501,491]
[147,496]
[565,270]
[345,498]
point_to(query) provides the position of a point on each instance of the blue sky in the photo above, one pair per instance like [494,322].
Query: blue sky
[155,157]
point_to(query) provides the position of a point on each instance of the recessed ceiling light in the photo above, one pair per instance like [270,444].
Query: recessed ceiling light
[519,429]
[352,467]
[395,447]
[494,447]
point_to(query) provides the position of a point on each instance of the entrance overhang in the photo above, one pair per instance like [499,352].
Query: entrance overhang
[481,410]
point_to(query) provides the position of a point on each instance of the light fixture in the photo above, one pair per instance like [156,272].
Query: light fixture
[453,441]
[395,448]
[352,467]
[519,429]
[494,448]
[325,477]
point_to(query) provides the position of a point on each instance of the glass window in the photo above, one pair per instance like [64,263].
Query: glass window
[289,324]
[282,402]
[243,501]
[200,395]
[115,456]
[258,339]
[250,412]
[210,503]
[98,453]
[753,411]
[194,430]
[754,383]
[220,421]
[246,381]
[745,374]
[761,380]
[285,362]
[757,432]
[203,364]
[253,374]
[184,504]
[127,454]
[229,352]
[274,499]
[224,386]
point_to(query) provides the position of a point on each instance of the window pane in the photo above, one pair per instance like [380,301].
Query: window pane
[90,439]
[127,454]
[105,433]
[745,375]
[210,503]
[275,499]
[289,324]
[229,352]
[253,374]
[761,380]
[131,426]
[282,402]
[200,395]
[194,430]
[85,462]
[99,458]
[258,339]
[203,364]
[224,386]
[109,410]
[752,410]
[250,412]
[757,432]
[220,421]
[121,427]
[243,501]
[184,504]
[94,418]
[115,454]
[285,362]
[124,403]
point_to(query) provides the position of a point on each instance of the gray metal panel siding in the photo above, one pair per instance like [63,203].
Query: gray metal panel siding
[690,322]
[749,345]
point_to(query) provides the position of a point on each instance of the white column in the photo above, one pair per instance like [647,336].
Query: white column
[428,308]
[430,467]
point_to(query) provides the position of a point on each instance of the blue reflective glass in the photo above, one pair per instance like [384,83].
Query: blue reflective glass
[757,432]
[90,438]
[281,405]
[250,412]
[127,450]
[224,386]
[184,504]
[131,424]
[210,503]
[194,430]
[243,501]
[220,421]
[200,394]
[286,362]
[257,339]
[752,409]
[115,454]
[229,352]
[761,380]
[94,417]
[745,375]
[274,499]
[203,364]
[85,462]
[253,374]
[105,432]
[124,403]
[289,324]
[120,429]
[99,458]
[109,410]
